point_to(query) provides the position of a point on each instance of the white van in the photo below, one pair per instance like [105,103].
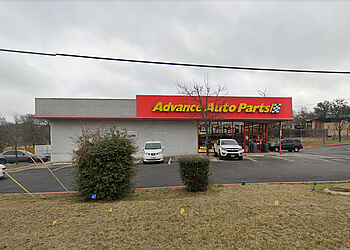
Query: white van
[153,152]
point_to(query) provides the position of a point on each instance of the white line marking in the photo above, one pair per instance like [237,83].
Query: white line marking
[284,159]
[251,159]
[314,158]
[138,161]
[169,161]
[61,167]
[338,159]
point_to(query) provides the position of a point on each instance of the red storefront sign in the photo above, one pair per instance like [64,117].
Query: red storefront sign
[235,108]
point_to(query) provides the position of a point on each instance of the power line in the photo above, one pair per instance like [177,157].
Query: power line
[178,63]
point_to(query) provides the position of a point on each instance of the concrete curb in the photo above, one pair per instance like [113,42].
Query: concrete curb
[335,144]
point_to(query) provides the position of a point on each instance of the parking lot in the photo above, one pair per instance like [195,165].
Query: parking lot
[331,163]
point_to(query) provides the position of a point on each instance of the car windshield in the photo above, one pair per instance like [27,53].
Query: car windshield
[155,145]
[229,142]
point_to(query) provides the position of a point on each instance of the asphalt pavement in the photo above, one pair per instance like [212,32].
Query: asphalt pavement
[330,163]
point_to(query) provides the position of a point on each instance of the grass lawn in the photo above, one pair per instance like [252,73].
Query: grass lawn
[237,216]
[315,142]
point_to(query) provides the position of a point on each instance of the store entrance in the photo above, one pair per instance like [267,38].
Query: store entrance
[219,130]
[251,136]
[255,137]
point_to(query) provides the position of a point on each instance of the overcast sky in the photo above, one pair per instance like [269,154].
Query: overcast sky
[311,35]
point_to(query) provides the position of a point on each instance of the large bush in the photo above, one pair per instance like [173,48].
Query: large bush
[104,165]
[195,172]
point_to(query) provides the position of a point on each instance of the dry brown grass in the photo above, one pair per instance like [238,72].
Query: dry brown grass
[232,217]
[316,141]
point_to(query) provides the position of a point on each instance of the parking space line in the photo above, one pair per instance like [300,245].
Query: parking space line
[62,167]
[251,159]
[338,159]
[20,169]
[138,161]
[169,161]
[284,159]
[313,158]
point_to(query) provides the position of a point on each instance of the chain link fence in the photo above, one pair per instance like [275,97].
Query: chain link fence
[300,133]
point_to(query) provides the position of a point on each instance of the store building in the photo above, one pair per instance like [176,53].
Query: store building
[332,123]
[174,120]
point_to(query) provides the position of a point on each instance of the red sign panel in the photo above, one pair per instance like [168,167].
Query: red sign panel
[234,108]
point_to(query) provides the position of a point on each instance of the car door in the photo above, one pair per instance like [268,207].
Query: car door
[10,156]
[22,156]
[289,144]
[283,144]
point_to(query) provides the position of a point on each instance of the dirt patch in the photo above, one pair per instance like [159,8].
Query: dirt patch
[338,190]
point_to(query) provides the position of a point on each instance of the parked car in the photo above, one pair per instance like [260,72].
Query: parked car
[2,169]
[23,156]
[286,144]
[228,148]
[153,152]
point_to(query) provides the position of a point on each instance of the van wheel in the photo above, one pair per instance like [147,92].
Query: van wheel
[240,158]
[296,149]
[220,156]
[277,149]
[215,154]
[2,161]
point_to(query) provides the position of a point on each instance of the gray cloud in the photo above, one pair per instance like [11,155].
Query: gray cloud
[310,35]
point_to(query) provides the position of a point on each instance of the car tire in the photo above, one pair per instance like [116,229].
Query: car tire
[29,160]
[296,149]
[277,149]
[240,158]
[220,156]
[2,161]
[215,154]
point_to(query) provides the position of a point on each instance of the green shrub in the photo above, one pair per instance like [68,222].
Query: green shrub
[104,165]
[195,172]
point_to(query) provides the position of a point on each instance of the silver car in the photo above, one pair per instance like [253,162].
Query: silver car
[22,156]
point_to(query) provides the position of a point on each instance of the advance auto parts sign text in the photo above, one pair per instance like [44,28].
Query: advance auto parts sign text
[222,108]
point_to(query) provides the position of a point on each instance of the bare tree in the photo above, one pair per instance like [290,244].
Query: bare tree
[12,131]
[207,98]
[34,131]
[302,116]
[25,130]
[262,93]
[337,110]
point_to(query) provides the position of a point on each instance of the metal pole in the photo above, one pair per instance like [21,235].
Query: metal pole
[244,143]
[280,137]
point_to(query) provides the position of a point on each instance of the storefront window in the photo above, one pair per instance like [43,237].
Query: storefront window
[219,130]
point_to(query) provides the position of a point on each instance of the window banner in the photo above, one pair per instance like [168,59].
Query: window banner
[227,129]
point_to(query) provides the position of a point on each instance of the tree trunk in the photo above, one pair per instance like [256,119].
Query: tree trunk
[207,129]
[16,154]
